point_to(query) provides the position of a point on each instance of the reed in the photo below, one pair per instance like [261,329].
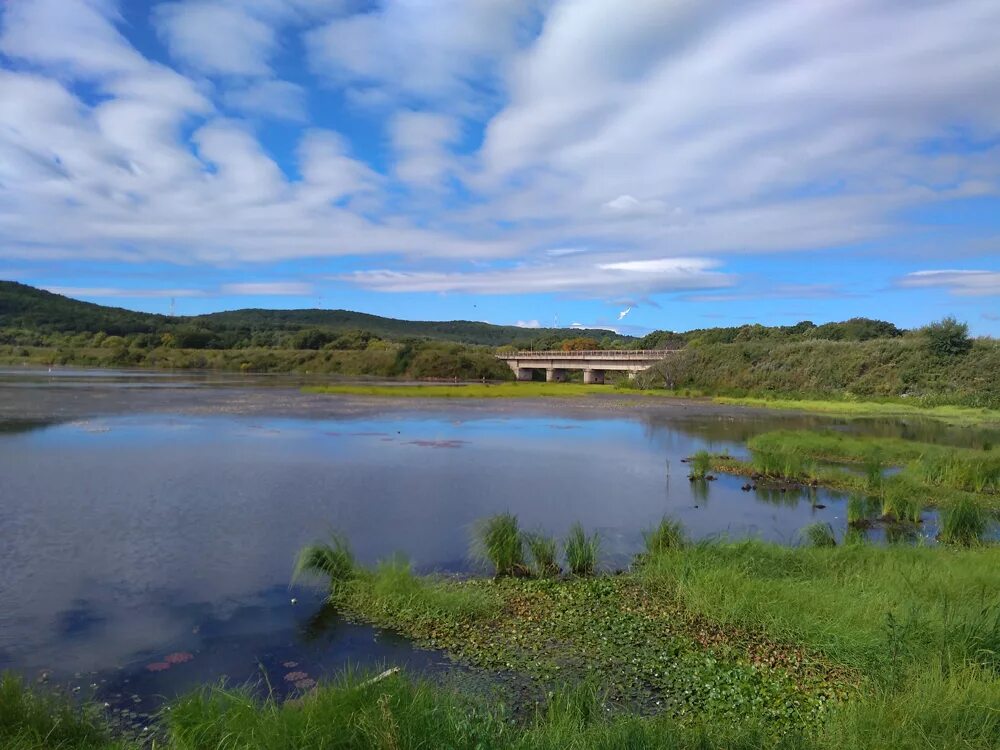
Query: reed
[963,522]
[332,561]
[581,551]
[544,551]
[819,535]
[497,540]
[668,534]
[701,464]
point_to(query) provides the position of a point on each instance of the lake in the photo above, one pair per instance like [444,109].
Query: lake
[150,522]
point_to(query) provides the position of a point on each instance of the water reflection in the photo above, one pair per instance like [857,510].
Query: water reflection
[131,539]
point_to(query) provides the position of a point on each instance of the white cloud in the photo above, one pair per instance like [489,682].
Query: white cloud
[528,324]
[421,141]
[965,283]
[609,280]
[270,288]
[103,292]
[269,98]
[216,37]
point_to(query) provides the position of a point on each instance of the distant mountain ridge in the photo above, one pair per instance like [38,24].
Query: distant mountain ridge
[27,307]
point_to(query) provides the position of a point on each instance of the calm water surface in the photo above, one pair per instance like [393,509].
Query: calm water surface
[131,537]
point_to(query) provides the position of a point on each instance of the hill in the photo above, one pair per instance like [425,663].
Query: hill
[30,309]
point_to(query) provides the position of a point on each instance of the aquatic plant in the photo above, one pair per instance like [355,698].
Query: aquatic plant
[819,535]
[857,512]
[963,522]
[899,502]
[581,551]
[668,534]
[497,540]
[543,550]
[331,560]
[701,464]
[874,466]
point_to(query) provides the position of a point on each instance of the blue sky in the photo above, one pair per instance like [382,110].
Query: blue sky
[696,163]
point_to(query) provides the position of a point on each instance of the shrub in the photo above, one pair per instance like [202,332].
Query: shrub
[497,540]
[947,337]
[581,551]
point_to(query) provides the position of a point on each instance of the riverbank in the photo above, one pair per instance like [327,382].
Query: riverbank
[747,645]
[951,414]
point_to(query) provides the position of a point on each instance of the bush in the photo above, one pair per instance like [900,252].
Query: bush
[947,337]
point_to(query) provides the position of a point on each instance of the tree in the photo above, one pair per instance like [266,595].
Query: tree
[579,344]
[947,337]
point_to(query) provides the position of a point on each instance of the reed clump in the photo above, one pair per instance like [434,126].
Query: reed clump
[581,551]
[819,535]
[701,464]
[497,540]
[668,534]
[332,560]
[544,552]
[963,522]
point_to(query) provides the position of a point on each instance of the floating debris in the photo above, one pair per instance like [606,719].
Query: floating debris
[158,666]
[438,443]
[178,657]
[306,684]
[295,676]
[289,664]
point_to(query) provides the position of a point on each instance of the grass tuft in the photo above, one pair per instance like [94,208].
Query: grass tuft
[581,551]
[332,561]
[497,540]
[963,522]
[544,551]
[819,535]
[668,534]
[701,464]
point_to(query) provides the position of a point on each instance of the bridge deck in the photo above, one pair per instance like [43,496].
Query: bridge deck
[611,354]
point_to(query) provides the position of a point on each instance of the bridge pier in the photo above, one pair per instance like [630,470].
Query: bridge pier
[523,373]
[555,375]
[593,377]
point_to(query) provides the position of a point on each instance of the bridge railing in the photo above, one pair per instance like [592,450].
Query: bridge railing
[618,354]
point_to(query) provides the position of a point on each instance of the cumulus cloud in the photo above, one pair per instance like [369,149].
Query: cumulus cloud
[964,283]
[612,280]
[421,142]
[269,98]
[216,37]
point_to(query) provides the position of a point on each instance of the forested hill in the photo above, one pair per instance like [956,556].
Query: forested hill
[30,309]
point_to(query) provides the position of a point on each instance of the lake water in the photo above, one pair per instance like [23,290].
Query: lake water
[137,530]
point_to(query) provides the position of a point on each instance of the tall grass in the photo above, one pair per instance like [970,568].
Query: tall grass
[668,534]
[701,464]
[497,540]
[963,522]
[34,720]
[581,551]
[899,502]
[333,561]
[544,552]
[819,535]
[874,467]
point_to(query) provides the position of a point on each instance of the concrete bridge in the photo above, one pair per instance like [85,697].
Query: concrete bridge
[593,363]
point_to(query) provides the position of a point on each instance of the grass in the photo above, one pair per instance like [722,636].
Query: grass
[581,551]
[332,561]
[497,540]
[701,464]
[819,535]
[544,552]
[950,414]
[668,534]
[470,390]
[964,522]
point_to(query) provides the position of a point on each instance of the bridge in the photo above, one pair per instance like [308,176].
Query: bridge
[593,363]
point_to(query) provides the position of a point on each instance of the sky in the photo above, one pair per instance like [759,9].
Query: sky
[655,164]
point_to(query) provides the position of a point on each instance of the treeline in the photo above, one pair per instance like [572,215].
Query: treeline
[936,365]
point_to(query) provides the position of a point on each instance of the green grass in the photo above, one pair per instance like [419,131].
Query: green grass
[951,414]
[471,390]
[544,553]
[332,561]
[819,534]
[581,551]
[497,540]
[668,534]
[964,522]
[700,464]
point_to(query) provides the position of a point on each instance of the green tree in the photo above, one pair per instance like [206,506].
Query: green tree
[947,337]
